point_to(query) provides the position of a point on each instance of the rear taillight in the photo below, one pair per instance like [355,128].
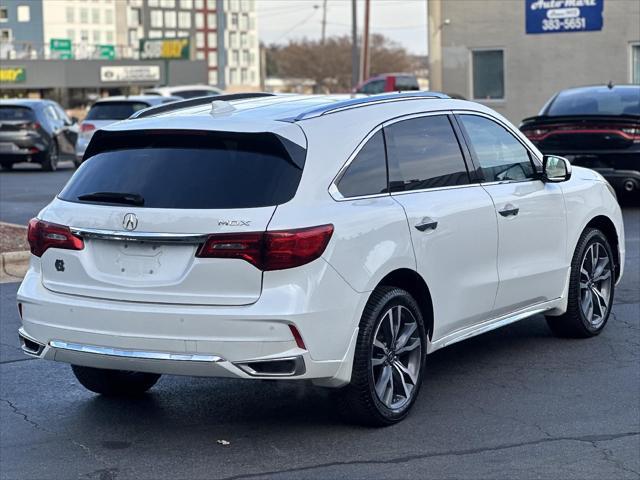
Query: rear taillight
[277,250]
[33,126]
[535,134]
[45,235]
[633,133]
[87,127]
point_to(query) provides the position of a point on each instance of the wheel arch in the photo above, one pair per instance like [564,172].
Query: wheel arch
[412,282]
[608,228]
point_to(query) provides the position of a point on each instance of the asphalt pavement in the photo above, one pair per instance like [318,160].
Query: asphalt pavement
[513,403]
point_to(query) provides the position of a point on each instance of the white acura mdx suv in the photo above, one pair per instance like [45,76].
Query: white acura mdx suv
[324,238]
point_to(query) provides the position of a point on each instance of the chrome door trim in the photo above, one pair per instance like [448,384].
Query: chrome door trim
[140,355]
[127,236]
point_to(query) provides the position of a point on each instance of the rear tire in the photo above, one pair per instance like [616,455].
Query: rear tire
[114,382]
[388,364]
[52,156]
[591,288]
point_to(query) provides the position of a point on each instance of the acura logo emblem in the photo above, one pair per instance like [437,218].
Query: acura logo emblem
[130,221]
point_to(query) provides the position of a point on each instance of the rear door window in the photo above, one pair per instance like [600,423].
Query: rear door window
[406,82]
[500,155]
[114,110]
[367,173]
[424,153]
[210,170]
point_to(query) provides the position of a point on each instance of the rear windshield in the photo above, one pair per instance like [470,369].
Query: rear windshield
[208,171]
[114,110]
[600,101]
[16,113]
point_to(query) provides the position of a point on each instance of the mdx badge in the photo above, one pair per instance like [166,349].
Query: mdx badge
[130,221]
[234,223]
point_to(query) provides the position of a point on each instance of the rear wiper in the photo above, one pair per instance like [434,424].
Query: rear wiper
[113,197]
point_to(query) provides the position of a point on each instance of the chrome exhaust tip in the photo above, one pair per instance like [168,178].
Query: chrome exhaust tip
[629,185]
[29,345]
[277,367]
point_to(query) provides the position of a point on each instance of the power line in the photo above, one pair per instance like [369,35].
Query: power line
[297,25]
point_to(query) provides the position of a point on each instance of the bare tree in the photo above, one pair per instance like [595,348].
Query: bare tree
[329,64]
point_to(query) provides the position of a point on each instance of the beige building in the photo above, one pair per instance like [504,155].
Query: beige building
[513,55]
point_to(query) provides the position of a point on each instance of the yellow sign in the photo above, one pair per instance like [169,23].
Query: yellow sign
[164,48]
[13,75]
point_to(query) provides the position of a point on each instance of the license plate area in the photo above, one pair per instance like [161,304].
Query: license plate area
[139,259]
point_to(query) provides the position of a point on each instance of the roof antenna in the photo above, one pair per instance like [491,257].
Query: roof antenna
[220,107]
[610,85]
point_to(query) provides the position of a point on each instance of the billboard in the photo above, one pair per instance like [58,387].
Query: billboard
[164,48]
[130,73]
[557,16]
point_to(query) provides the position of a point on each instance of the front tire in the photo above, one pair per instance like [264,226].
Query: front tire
[591,288]
[114,382]
[388,364]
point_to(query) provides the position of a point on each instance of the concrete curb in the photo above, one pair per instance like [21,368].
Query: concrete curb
[15,264]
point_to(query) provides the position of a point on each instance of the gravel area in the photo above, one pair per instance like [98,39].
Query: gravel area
[12,238]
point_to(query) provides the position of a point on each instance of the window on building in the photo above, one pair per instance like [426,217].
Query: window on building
[186,4]
[156,19]
[253,76]
[24,13]
[244,39]
[213,77]
[184,19]
[96,36]
[133,37]
[154,3]
[234,20]
[212,39]
[183,34]
[95,16]
[212,20]
[108,17]
[109,37]
[155,33]
[233,76]
[199,20]
[235,57]
[84,15]
[168,3]
[233,39]
[170,34]
[199,4]
[500,155]
[199,39]
[170,19]
[213,59]
[71,17]
[135,17]
[424,153]
[245,57]
[245,5]
[635,63]
[234,5]
[71,35]
[84,35]
[4,14]
[244,21]
[6,35]
[200,55]
[488,74]
[367,173]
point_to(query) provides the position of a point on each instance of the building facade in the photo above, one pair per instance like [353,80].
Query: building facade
[514,55]
[222,33]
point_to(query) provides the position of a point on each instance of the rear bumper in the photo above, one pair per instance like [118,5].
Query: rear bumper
[200,340]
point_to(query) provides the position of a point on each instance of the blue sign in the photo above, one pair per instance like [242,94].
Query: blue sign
[555,16]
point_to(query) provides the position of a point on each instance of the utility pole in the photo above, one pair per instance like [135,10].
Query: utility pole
[364,59]
[355,60]
[324,21]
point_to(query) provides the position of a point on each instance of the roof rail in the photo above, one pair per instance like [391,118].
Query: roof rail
[194,102]
[364,101]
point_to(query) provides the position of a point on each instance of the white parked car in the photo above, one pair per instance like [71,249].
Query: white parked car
[113,109]
[185,91]
[322,238]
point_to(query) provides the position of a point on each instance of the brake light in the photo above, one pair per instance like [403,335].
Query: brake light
[87,127]
[33,126]
[277,250]
[44,235]
[536,134]
[633,133]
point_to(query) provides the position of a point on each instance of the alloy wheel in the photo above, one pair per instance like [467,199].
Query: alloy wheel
[396,357]
[595,284]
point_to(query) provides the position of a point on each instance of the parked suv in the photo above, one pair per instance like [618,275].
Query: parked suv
[312,238]
[388,82]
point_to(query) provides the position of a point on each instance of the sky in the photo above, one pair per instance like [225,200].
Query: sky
[401,20]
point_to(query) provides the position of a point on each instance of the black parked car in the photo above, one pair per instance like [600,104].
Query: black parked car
[596,127]
[37,131]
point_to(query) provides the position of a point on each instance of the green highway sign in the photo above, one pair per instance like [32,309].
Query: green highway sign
[107,52]
[60,44]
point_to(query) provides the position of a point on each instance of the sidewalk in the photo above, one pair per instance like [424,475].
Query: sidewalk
[14,252]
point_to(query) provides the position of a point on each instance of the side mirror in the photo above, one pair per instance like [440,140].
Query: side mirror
[555,169]
[74,120]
